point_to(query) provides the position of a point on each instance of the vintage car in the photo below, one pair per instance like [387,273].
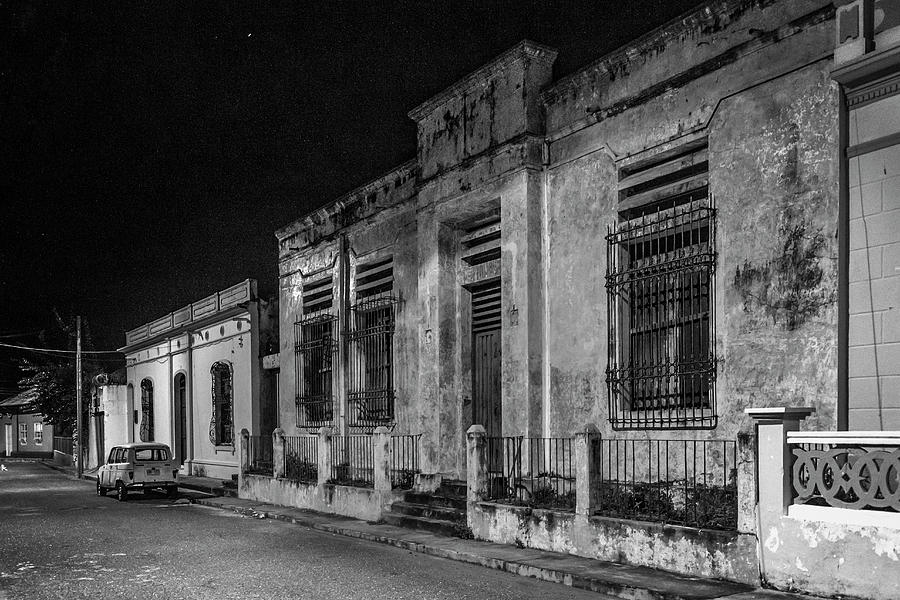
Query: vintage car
[138,466]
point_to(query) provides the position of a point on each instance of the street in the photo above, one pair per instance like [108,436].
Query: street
[59,540]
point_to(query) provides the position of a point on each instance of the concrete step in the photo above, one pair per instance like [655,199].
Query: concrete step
[444,513]
[435,500]
[454,488]
[435,526]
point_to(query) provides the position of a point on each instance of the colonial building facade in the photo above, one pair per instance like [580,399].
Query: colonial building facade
[195,378]
[689,242]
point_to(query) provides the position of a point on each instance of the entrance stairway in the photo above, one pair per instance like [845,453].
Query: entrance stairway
[442,512]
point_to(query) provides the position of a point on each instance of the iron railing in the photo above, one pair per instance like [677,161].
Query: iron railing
[301,458]
[260,454]
[537,472]
[683,482]
[854,470]
[64,445]
[660,302]
[371,350]
[404,460]
[352,461]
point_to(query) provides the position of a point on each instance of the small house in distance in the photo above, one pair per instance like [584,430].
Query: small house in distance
[23,432]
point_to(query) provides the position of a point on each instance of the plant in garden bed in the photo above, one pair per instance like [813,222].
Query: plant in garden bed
[299,468]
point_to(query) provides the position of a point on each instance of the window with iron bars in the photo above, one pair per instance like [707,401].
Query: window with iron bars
[315,346]
[371,348]
[661,261]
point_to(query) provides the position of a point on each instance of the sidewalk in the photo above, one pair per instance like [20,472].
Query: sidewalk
[611,579]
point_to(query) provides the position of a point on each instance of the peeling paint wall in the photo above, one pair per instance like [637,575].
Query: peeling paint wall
[698,553]
[832,559]
[770,113]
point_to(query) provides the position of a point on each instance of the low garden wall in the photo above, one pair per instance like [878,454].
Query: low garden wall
[689,551]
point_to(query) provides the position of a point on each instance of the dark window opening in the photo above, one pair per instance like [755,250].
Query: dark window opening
[146,431]
[221,426]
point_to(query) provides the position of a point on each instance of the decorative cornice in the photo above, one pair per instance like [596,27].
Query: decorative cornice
[321,214]
[525,49]
[653,40]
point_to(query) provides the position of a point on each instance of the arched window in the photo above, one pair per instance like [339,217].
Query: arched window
[146,410]
[221,426]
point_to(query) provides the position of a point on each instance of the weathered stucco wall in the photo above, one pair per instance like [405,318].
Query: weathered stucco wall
[774,174]
[832,559]
[699,553]
[769,110]
[359,503]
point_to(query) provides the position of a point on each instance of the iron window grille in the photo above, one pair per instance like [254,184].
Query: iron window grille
[221,425]
[371,342]
[315,347]
[146,430]
[660,288]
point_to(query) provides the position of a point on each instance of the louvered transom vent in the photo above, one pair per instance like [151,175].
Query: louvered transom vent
[668,179]
[375,278]
[318,295]
[481,243]
[486,307]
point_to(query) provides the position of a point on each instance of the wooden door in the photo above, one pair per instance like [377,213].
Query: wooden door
[486,365]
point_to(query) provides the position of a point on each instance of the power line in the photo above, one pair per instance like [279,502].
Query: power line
[52,350]
[23,334]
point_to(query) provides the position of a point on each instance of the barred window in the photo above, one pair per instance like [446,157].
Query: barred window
[661,260]
[371,344]
[146,431]
[315,345]
[221,426]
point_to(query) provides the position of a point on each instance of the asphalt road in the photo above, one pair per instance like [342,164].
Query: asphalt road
[59,540]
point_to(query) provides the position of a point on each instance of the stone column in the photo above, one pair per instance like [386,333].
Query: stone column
[476,463]
[587,470]
[381,442]
[324,467]
[774,489]
[278,453]
[245,451]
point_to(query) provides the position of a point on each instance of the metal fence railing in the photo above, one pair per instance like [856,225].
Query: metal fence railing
[260,451]
[64,445]
[537,472]
[404,461]
[684,482]
[301,458]
[352,460]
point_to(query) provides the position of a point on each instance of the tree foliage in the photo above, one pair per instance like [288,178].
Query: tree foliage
[52,376]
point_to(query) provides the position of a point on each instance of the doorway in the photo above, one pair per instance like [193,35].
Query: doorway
[487,404]
[9,439]
[181,417]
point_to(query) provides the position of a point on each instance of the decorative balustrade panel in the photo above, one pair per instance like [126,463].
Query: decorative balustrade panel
[856,477]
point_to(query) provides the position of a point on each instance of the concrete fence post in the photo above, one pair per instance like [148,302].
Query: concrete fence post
[245,451]
[587,470]
[773,480]
[746,482]
[278,453]
[476,463]
[324,468]
[381,442]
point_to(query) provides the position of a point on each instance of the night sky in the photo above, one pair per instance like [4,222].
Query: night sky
[149,150]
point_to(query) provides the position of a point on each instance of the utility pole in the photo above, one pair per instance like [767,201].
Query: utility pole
[78,452]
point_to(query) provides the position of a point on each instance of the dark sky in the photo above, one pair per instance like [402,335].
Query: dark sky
[149,150]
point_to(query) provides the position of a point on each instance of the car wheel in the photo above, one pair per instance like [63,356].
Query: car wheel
[100,490]
[172,491]
[121,492]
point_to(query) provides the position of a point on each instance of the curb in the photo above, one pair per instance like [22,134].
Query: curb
[584,582]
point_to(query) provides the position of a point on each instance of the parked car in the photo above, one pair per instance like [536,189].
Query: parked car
[138,466]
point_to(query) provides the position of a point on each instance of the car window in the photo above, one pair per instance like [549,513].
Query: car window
[112,455]
[151,454]
[120,455]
